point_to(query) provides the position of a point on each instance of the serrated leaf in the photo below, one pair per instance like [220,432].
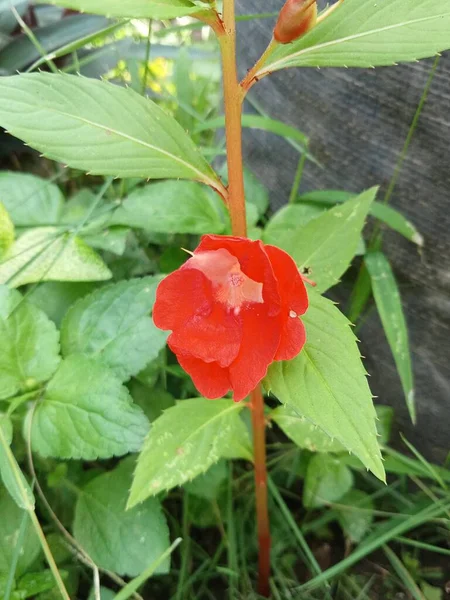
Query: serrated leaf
[45,254]
[113,130]
[113,325]
[30,200]
[183,443]
[302,432]
[327,244]
[137,9]
[30,344]
[86,413]
[357,516]
[125,542]
[6,231]
[10,525]
[327,480]
[383,212]
[368,34]
[326,383]
[389,306]
[170,207]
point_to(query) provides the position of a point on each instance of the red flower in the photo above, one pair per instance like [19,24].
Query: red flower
[233,308]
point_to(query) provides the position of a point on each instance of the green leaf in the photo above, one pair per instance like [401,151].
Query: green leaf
[302,432]
[170,207]
[6,231]
[113,325]
[362,34]
[30,200]
[86,413]
[43,254]
[111,239]
[290,217]
[105,594]
[10,524]
[327,244]
[55,298]
[125,542]
[385,416]
[327,480]
[30,344]
[32,584]
[209,484]
[326,383]
[136,9]
[183,443]
[255,192]
[357,516]
[389,306]
[383,212]
[113,130]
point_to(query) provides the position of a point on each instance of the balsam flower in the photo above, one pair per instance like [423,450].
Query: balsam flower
[233,308]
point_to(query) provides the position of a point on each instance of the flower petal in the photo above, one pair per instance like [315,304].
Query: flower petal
[290,283]
[210,379]
[260,340]
[182,295]
[293,338]
[212,338]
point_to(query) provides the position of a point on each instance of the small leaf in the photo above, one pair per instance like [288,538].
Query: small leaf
[357,516]
[30,345]
[6,231]
[30,200]
[113,325]
[125,542]
[136,9]
[326,383]
[362,34]
[327,480]
[302,432]
[113,130]
[43,254]
[209,484]
[10,525]
[383,212]
[389,305]
[170,207]
[327,244]
[183,443]
[86,413]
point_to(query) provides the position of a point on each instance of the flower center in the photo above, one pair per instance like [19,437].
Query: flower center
[231,286]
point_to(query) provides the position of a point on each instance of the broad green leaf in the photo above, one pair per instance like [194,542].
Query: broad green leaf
[210,483]
[369,34]
[113,130]
[30,345]
[123,541]
[10,523]
[153,400]
[30,200]
[8,21]
[183,443]
[55,298]
[389,306]
[32,584]
[326,383]
[290,217]
[105,594]
[113,325]
[86,413]
[111,239]
[170,207]
[357,516]
[327,244]
[44,254]
[136,9]
[6,231]
[10,472]
[383,212]
[431,592]
[327,480]
[302,432]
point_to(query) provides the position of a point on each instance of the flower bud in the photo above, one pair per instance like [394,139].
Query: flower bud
[295,19]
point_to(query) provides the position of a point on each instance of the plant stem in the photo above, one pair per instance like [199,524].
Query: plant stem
[262,513]
[251,78]
[233,97]
[297,178]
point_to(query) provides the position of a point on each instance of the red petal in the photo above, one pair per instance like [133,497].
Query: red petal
[214,338]
[253,260]
[182,295]
[210,379]
[293,338]
[260,340]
